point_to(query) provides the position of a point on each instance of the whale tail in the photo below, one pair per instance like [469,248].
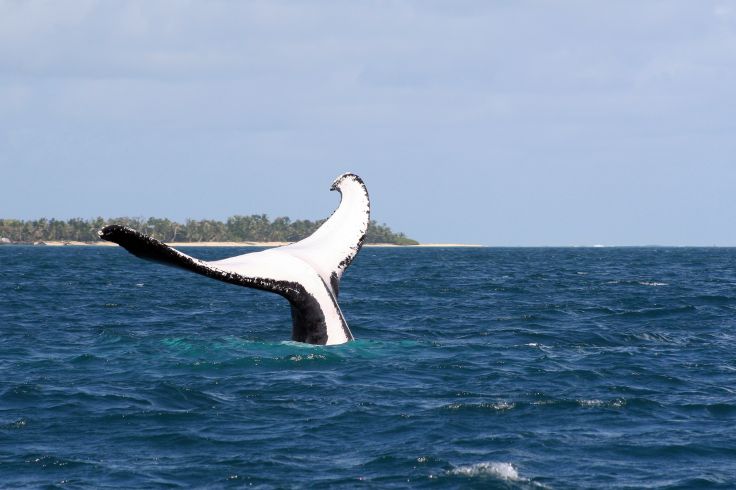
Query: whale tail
[307,273]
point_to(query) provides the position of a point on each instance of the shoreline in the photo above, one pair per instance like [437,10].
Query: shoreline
[236,244]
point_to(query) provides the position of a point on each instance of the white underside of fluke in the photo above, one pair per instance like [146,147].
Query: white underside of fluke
[307,272]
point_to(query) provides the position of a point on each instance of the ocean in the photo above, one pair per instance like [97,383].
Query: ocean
[472,368]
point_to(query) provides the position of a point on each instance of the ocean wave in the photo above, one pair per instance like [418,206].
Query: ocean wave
[637,282]
[499,406]
[714,409]
[657,337]
[501,470]
[616,403]
[658,312]
[560,403]
[48,461]
[105,385]
[553,403]
[17,424]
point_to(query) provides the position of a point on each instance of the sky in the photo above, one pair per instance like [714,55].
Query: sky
[501,123]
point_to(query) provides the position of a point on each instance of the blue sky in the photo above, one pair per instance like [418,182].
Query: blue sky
[502,123]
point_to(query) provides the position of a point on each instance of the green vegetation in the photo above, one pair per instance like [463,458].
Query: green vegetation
[254,228]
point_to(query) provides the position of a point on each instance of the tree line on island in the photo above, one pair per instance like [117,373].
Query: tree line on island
[253,228]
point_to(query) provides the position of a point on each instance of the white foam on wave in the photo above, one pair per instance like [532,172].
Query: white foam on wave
[652,283]
[494,469]
[617,403]
[504,471]
[537,345]
[503,405]
[307,357]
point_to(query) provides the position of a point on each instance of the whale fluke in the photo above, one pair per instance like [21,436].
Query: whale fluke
[307,273]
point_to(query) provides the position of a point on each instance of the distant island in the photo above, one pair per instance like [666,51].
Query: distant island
[253,228]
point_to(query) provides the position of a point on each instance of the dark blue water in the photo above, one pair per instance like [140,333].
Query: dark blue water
[473,368]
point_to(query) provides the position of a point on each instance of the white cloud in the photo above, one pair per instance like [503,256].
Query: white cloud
[501,90]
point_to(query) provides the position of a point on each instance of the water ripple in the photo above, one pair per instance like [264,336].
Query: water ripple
[482,368]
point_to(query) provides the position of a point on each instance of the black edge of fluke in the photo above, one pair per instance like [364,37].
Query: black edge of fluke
[141,245]
[336,183]
[148,248]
